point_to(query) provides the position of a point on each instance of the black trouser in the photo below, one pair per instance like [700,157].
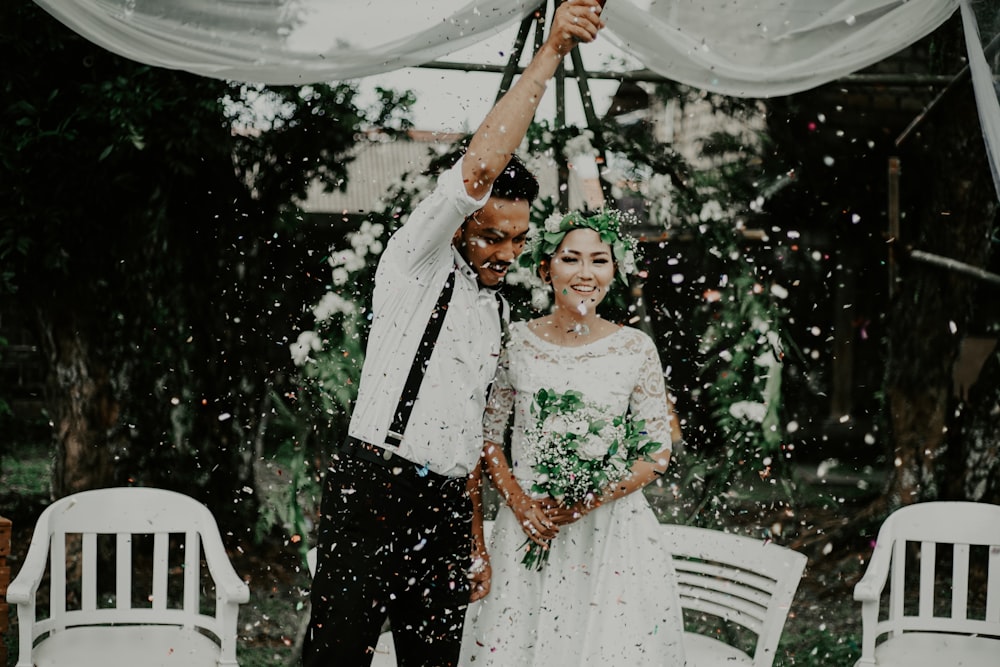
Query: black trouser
[393,542]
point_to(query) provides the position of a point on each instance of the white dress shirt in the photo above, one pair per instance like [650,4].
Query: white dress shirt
[444,432]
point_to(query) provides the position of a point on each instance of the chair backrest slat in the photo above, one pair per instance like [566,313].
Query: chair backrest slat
[192,570]
[123,570]
[897,590]
[748,606]
[57,580]
[928,568]
[993,585]
[88,584]
[161,560]
[960,581]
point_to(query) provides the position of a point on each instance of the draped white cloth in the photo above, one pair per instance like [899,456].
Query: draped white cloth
[734,47]
[768,47]
[979,31]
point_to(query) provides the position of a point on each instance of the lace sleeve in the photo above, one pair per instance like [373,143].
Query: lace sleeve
[649,396]
[500,405]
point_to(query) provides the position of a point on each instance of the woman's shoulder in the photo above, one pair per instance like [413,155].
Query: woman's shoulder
[636,337]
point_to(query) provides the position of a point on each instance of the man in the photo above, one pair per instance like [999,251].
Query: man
[400,534]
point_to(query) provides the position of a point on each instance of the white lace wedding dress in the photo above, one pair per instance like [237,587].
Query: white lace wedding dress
[607,594]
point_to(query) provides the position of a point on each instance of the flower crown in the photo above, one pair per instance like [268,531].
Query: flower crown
[607,223]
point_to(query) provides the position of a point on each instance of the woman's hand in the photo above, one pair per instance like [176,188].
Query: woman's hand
[480,575]
[532,517]
[560,515]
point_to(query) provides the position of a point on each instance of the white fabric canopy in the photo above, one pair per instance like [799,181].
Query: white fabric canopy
[734,47]
[987,27]
[285,41]
[768,48]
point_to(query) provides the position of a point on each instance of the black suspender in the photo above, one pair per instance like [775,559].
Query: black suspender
[420,360]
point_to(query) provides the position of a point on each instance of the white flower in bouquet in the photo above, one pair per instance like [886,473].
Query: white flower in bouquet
[593,446]
[556,424]
[578,426]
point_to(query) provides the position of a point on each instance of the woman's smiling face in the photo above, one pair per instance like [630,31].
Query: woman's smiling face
[581,270]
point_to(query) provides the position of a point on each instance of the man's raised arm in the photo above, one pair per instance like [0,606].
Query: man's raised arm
[504,127]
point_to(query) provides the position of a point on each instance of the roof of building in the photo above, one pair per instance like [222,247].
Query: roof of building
[379,163]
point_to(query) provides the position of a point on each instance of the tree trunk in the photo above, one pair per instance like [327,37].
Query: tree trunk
[950,197]
[84,408]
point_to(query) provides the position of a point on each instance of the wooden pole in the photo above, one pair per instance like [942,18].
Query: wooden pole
[894,227]
[5,528]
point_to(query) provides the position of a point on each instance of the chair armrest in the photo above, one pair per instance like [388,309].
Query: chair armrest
[227,581]
[22,590]
[869,589]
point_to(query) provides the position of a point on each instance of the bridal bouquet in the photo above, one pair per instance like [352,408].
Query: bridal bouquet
[577,450]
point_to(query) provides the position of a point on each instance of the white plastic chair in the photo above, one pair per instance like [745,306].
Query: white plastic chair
[168,625]
[739,579]
[947,618]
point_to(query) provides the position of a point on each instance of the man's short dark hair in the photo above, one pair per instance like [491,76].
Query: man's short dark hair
[515,182]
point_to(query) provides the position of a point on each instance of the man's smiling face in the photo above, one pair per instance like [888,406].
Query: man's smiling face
[492,238]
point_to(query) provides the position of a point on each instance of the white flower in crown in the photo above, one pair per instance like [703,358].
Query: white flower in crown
[553,222]
[628,263]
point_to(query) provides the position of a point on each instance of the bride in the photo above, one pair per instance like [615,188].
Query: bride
[587,582]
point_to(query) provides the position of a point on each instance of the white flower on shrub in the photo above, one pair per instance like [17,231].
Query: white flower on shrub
[540,298]
[330,305]
[340,276]
[711,210]
[307,342]
[348,259]
[580,145]
[748,410]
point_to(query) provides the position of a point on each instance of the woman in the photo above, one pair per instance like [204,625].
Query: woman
[586,583]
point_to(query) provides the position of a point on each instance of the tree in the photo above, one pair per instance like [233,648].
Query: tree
[904,328]
[152,237]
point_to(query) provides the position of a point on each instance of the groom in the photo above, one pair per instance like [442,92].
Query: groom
[401,510]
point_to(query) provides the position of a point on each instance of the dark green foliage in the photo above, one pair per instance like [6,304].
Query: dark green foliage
[139,217]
